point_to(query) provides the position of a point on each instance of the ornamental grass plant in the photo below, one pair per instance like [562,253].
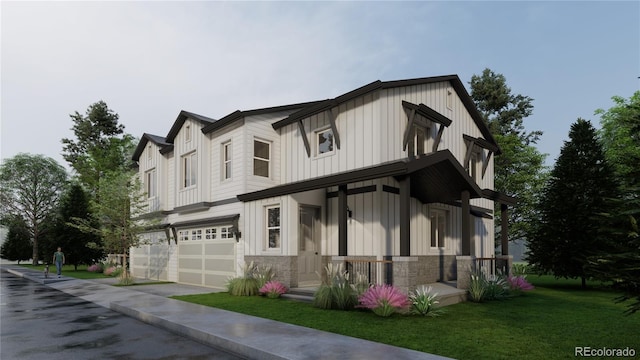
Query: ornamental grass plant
[335,291]
[245,285]
[273,289]
[423,302]
[384,300]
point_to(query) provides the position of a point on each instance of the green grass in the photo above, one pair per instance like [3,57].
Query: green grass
[69,270]
[547,323]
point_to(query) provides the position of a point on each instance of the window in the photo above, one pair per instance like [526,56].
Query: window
[210,234]
[273,227]
[226,160]
[324,140]
[149,153]
[189,170]
[183,235]
[261,156]
[418,142]
[187,133]
[449,99]
[472,167]
[150,180]
[225,233]
[438,228]
[196,234]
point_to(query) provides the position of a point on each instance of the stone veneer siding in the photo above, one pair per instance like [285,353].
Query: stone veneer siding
[285,268]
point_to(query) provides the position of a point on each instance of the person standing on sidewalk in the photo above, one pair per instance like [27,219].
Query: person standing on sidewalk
[58,259]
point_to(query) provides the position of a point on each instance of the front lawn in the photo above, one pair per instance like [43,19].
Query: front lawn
[69,270]
[547,323]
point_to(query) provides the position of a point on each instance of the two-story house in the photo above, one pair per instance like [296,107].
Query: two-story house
[396,176]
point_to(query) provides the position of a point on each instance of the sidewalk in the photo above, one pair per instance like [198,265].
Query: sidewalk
[247,336]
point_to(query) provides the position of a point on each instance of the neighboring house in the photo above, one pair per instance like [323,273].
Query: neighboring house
[395,178]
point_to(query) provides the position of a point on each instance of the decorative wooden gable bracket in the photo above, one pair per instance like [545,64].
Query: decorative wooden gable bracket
[304,138]
[429,114]
[482,143]
[333,115]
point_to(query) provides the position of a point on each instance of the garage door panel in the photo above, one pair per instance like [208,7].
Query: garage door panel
[219,265]
[191,264]
[216,281]
[190,249]
[220,249]
[190,278]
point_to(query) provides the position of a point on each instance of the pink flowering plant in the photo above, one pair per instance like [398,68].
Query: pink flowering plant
[273,289]
[96,268]
[519,284]
[384,300]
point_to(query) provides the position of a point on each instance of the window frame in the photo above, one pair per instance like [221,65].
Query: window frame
[257,158]
[227,159]
[268,228]
[151,183]
[412,148]
[189,170]
[187,133]
[317,134]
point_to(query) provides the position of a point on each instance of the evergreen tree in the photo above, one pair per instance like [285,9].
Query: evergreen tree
[79,247]
[100,145]
[17,246]
[519,170]
[567,234]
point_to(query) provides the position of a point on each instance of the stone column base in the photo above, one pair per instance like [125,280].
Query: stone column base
[464,266]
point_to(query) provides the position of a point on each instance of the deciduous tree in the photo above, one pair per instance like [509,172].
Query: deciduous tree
[30,187]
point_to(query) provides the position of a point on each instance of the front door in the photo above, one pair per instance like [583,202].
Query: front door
[309,258]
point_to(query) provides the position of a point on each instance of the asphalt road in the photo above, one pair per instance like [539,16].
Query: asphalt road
[38,322]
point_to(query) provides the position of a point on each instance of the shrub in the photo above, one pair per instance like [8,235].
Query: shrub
[263,274]
[384,300]
[477,287]
[497,287]
[423,302]
[335,292]
[519,269]
[110,271]
[273,289]
[246,285]
[95,268]
[519,284]
[125,278]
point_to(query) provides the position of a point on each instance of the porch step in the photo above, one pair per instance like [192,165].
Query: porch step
[300,294]
[448,293]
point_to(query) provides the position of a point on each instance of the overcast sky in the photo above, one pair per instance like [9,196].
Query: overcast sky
[149,60]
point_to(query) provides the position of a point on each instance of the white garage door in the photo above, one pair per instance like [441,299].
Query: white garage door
[207,256]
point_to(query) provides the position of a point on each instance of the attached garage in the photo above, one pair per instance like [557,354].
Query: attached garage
[207,251]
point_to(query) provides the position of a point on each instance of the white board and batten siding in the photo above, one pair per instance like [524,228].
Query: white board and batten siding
[184,145]
[356,127]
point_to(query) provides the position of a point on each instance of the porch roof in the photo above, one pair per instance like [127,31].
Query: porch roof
[435,177]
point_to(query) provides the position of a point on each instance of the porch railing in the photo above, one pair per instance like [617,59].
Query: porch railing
[375,271]
[491,266]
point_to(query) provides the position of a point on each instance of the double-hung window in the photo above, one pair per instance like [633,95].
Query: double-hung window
[151,180]
[226,160]
[273,227]
[261,158]
[417,144]
[189,170]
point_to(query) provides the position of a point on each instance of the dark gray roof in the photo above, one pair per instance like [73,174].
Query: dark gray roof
[454,80]
[158,140]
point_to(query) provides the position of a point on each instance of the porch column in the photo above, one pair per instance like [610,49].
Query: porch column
[342,220]
[405,216]
[504,228]
[466,223]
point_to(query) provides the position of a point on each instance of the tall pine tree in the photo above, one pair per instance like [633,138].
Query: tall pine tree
[571,205]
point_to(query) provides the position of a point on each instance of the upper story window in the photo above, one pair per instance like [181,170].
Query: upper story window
[187,133]
[418,143]
[472,167]
[226,160]
[324,141]
[273,227]
[189,170]
[151,181]
[261,158]
[149,154]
